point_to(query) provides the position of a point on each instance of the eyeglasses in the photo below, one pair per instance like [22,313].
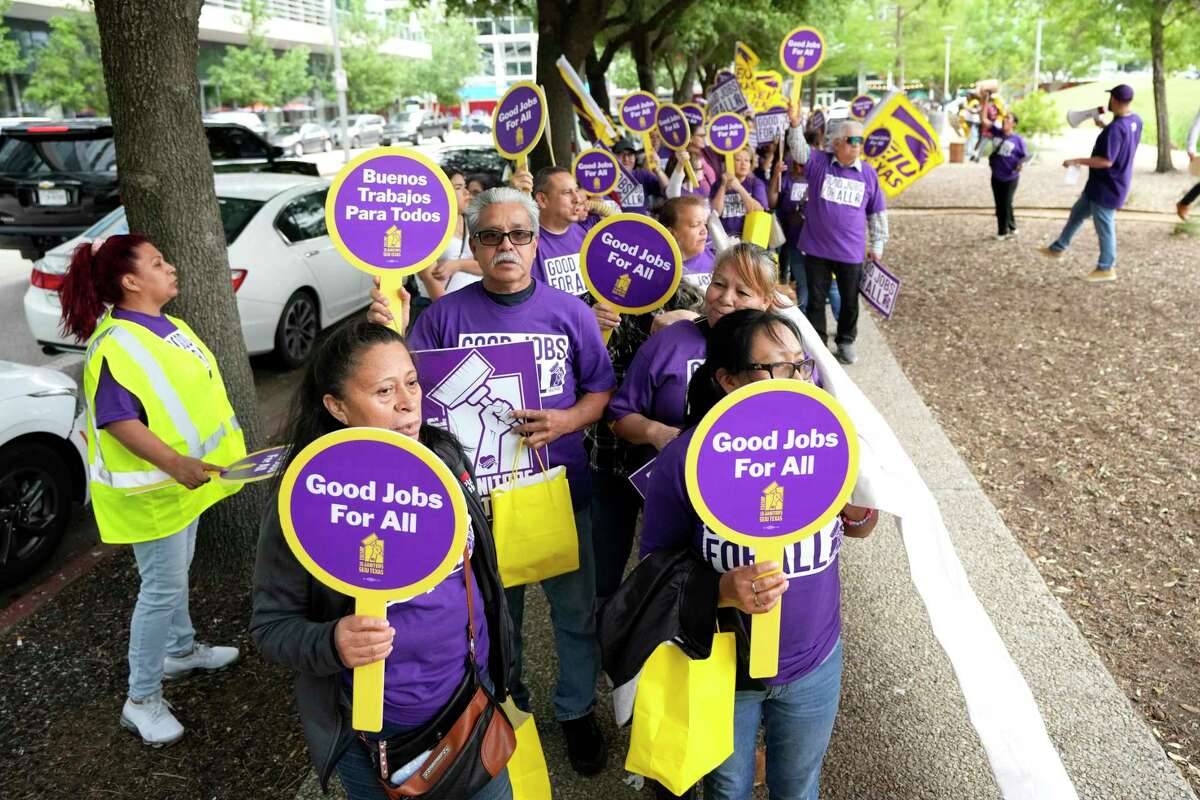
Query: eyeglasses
[854,140]
[787,370]
[493,238]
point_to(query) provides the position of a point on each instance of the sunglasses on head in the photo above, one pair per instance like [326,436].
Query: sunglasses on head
[854,140]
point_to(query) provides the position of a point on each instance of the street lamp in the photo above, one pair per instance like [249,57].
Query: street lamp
[339,79]
[947,29]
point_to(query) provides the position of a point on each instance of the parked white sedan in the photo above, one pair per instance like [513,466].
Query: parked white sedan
[289,279]
[43,465]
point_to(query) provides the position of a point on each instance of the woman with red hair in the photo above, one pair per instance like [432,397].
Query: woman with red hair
[158,420]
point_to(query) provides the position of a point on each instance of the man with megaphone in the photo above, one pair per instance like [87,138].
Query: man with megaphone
[1110,172]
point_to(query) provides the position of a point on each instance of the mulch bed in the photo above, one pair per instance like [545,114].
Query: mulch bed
[65,680]
[1074,405]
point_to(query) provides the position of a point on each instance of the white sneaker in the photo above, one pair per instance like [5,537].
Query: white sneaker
[151,718]
[209,659]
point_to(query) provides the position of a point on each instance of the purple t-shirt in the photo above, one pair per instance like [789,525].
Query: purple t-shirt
[1007,154]
[557,260]
[656,383]
[733,216]
[571,357]
[114,402]
[793,193]
[430,648]
[839,201]
[1118,143]
[697,270]
[811,619]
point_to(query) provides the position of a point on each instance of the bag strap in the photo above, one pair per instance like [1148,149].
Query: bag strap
[468,579]
[521,445]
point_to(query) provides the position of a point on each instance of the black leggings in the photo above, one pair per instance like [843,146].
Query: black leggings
[1003,192]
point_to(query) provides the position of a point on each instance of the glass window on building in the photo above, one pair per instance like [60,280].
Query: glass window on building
[523,25]
[484,27]
[487,59]
[504,25]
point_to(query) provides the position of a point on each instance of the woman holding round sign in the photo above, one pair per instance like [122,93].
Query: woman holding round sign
[796,468]
[739,191]
[159,421]
[377,511]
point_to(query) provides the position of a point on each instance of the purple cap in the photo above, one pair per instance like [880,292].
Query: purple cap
[1122,92]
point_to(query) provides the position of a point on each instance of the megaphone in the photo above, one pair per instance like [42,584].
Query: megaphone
[1074,118]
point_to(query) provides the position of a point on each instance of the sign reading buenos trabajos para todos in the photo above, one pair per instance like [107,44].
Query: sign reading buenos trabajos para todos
[631,262]
[771,464]
[391,212]
[377,516]
[899,144]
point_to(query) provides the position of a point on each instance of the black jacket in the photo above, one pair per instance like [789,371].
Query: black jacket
[670,596]
[293,619]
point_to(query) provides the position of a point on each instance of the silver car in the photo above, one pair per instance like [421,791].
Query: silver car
[307,137]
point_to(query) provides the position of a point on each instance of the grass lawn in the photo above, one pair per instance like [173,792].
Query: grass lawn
[1183,100]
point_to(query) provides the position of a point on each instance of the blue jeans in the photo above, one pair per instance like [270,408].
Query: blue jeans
[796,267]
[1106,230]
[360,780]
[161,625]
[799,720]
[572,599]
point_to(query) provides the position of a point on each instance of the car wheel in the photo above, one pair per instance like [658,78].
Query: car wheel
[328,146]
[354,143]
[442,137]
[35,507]
[299,149]
[297,330]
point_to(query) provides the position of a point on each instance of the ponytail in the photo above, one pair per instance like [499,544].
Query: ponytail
[93,281]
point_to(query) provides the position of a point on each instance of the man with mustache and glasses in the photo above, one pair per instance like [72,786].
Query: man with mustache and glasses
[576,380]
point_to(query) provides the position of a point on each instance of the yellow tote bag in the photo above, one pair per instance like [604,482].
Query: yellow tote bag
[527,766]
[683,714]
[534,525]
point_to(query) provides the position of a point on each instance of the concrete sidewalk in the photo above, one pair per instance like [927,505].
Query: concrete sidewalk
[903,731]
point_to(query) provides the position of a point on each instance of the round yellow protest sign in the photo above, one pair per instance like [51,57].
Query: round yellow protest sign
[519,120]
[377,516]
[391,211]
[769,465]
[631,263]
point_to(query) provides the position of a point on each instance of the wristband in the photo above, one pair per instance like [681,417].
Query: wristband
[849,523]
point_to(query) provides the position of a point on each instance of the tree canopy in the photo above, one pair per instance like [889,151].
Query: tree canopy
[67,70]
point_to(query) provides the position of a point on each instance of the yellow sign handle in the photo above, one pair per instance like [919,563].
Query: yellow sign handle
[648,149]
[367,705]
[795,91]
[606,334]
[522,162]
[729,163]
[764,628]
[389,287]
[691,174]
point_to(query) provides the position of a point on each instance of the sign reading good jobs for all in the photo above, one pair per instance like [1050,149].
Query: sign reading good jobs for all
[728,133]
[771,464]
[377,516]
[518,121]
[597,171]
[631,262]
[391,212]
[801,52]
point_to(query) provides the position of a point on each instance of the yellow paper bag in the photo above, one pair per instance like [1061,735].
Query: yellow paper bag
[534,525]
[683,714]
[527,766]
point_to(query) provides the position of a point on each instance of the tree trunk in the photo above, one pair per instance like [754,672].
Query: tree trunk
[643,60]
[597,81]
[564,29]
[149,50]
[683,92]
[1160,88]
[900,45]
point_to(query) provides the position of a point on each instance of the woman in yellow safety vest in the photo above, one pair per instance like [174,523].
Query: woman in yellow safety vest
[157,413]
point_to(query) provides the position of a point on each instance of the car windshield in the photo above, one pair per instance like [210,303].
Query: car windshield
[403,116]
[25,156]
[286,130]
[236,214]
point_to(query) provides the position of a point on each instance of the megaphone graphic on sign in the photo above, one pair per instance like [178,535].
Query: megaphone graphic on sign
[1074,118]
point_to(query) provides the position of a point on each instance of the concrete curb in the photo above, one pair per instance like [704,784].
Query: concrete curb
[902,732]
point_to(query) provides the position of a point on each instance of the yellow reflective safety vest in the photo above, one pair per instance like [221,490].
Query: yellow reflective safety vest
[185,405]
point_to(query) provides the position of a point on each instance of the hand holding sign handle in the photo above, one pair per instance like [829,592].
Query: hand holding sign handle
[764,627]
[392,287]
[366,710]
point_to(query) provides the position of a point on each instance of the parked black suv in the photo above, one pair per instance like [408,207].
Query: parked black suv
[58,178]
